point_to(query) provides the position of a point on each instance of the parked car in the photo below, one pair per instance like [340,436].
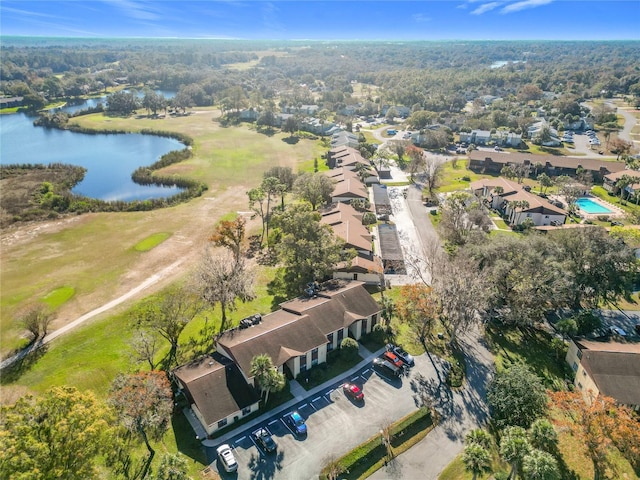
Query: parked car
[354,391]
[385,367]
[226,458]
[263,439]
[617,331]
[406,357]
[393,358]
[296,423]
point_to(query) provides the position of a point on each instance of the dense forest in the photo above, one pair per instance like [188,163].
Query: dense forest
[432,76]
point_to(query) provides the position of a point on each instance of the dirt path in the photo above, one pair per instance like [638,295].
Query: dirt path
[164,264]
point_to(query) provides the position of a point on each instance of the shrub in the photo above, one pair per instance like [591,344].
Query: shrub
[349,347]
[466,178]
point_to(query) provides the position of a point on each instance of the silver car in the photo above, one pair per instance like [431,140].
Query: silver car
[226,458]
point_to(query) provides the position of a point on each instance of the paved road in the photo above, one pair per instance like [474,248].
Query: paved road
[461,411]
[629,123]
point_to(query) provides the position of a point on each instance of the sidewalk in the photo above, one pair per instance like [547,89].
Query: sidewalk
[299,394]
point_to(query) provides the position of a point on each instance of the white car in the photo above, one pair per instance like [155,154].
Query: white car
[226,458]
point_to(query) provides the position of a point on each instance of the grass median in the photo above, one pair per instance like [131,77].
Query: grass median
[370,456]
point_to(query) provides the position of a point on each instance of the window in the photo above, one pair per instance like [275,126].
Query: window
[246,411]
[579,385]
[364,325]
[575,367]
[340,336]
[303,363]
[355,276]
[374,320]
[579,354]
[584,373]
[314,357]
[330,340]
[222,423]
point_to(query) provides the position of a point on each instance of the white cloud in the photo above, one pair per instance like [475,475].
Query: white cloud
[137,9]
[420,17]
[524,4]
[486,7]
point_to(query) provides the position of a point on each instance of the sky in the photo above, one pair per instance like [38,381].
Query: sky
[326,20]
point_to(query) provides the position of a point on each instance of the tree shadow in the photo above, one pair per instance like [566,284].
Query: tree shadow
[264,467]
[267,131]
[13,372]
[186,441]
[291,140]
[278,289]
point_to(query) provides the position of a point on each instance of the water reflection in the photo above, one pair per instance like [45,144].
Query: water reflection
[109,159]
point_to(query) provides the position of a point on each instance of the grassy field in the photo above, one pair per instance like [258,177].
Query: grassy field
[94,254]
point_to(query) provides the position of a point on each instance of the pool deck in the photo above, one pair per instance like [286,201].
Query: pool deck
[616,212]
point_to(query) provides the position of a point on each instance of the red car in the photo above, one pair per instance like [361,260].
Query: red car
[353,391]
[393,358]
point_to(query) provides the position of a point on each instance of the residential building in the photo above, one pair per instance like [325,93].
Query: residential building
[507,139]
[606,368]
[217,391]
[298,336]
[534,131]
[506,196]
[344,139]
[477,137]
[346,223]
[611,181]
[552,165]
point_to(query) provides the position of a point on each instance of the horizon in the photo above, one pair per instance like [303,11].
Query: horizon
[282,20]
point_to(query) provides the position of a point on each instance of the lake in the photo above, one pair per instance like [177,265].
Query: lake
[109,159]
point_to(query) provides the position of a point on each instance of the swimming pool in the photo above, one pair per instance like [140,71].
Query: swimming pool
[589,206]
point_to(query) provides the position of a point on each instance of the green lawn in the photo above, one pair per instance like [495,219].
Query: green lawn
[58,297]
[336,364]
[151,241]
[533,348]
[93,252]
[629,207]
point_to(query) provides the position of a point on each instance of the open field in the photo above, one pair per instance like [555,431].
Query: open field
[94,254]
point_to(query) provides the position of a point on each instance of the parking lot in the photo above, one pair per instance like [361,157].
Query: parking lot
[335,424]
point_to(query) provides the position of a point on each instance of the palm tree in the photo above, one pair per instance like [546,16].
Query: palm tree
[543,436]
[514,446]
[623,182]
[266,375]
[476,459]
[539,465]
[274,382]
[480,437]
[261,365]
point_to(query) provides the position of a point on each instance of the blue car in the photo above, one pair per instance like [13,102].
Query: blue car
[296,423]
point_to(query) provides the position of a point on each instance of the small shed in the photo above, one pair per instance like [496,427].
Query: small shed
[391,252]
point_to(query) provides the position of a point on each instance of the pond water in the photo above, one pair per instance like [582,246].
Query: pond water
[109,159]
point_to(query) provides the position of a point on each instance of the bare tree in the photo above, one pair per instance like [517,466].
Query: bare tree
[36,320]
[223,281]
[432,172]
[144,348]
[169,315]
[461,293]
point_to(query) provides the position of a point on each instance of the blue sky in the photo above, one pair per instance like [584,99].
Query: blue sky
[326,20]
